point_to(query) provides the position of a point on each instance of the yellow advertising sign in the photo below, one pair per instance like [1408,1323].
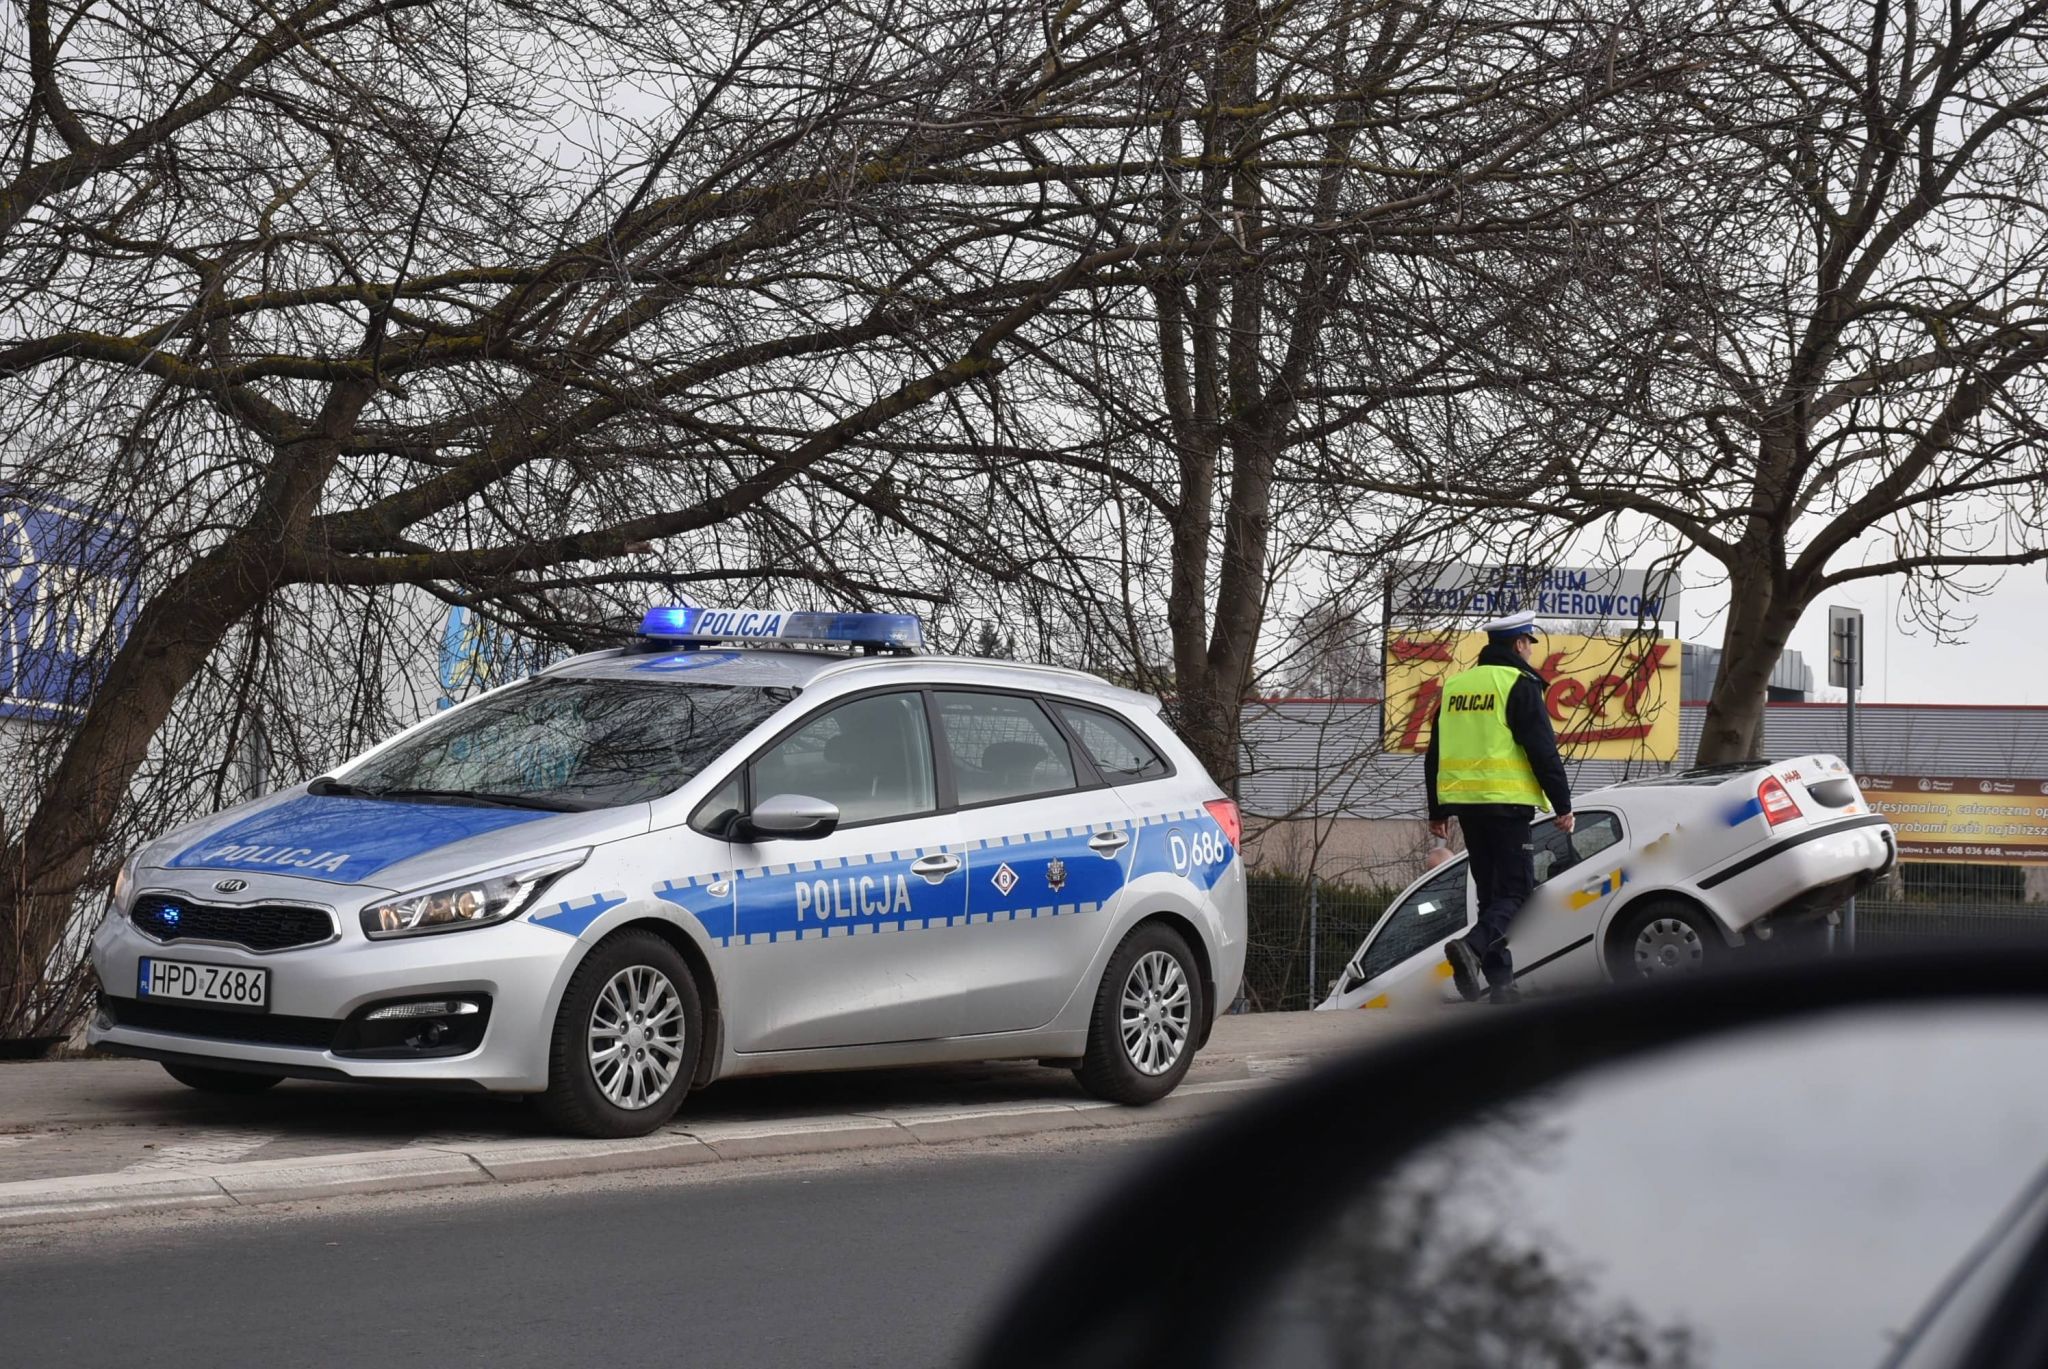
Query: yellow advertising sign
[1610,698]
[1969,821]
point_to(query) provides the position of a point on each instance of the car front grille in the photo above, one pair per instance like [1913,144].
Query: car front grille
[260,927]
[250,1028]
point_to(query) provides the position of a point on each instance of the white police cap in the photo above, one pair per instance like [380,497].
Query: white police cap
[1521,624]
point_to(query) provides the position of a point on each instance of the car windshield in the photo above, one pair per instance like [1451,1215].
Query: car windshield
[569,743]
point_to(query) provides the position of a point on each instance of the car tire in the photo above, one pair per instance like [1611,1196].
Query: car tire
[1661,937]
[222,1081]
[1148,1015]
[626,1039]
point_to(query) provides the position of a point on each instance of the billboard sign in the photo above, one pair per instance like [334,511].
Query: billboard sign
[1435,592]
[69,576]
[1610,698]
[1966,820]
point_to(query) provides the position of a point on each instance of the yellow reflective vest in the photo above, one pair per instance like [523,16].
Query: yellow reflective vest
[1478,759]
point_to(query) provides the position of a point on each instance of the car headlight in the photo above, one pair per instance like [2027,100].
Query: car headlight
[124,885]
[478,901]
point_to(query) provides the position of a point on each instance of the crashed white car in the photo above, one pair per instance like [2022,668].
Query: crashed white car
[1661,876]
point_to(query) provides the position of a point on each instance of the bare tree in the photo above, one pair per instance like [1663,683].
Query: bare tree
[1818,355]
[507,301]
[1352,201]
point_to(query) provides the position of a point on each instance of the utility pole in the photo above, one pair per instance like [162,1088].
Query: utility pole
[1314,996]
[1845,668]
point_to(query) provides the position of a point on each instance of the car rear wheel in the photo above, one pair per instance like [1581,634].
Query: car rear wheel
[222,1081]
[1663,938]
[1148,1009]
[626,1039]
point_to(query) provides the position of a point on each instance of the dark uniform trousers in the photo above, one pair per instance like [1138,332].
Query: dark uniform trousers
[1504,873]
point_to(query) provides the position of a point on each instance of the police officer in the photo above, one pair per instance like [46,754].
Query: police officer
[1492,762]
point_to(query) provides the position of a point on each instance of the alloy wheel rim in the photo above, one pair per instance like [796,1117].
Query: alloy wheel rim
[1668,946]
[1155,1011]
[635,1040]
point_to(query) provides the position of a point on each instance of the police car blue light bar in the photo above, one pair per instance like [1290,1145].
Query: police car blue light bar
[697,623]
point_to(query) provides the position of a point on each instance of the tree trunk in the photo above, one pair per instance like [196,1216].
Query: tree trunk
[174,635]
[1761,616]
[53,855]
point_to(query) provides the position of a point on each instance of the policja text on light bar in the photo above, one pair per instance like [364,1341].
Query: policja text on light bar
[700,623]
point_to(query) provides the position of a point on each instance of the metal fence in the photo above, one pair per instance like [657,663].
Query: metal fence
[1936,901]
[1301,931]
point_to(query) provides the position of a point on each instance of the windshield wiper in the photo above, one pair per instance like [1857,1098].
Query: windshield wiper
[479,796]
[325,785]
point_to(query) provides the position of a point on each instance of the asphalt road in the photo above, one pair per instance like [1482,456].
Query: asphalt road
[857,1264]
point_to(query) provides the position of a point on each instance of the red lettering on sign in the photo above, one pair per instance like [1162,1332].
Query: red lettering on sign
[1426,699]
[1561,695]
[1605,734]
[1406,649]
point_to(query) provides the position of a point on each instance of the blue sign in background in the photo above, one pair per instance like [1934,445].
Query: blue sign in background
[476,655]
[69,574]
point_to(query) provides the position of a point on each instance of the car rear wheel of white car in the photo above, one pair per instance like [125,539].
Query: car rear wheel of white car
[222,1081]
[1663,938]
[1148,1010]
[626,1039]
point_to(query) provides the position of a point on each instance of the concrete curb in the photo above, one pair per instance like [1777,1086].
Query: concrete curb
[245,1183]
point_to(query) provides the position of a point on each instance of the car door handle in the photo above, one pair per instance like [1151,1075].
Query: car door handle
[934,868]
[1108,843]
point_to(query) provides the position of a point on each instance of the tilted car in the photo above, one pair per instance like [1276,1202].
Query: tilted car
[1661,875]
[648,868]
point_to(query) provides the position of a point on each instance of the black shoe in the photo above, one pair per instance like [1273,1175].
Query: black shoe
[1503,993]
[1465,971]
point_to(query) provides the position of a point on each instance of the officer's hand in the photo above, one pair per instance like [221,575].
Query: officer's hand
[1567,821]
[1440,827]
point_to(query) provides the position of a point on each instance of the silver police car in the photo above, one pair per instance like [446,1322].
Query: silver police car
[754,841]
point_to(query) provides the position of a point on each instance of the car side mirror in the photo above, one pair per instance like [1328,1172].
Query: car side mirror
[796,817]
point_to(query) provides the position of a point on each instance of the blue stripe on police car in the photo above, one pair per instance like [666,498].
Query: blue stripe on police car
[840,897]
[707,898]
[1189,844]
[574,917]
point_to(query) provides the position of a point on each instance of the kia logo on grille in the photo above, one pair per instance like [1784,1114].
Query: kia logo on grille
[231,886]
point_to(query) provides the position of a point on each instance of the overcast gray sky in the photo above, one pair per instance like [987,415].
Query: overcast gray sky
[2002,659]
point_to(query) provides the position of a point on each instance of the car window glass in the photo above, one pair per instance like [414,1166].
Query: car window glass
[1425,917]
[1113,744]
[872,757]
[714,816]
[1002,747]
[595,743]
[1555,852]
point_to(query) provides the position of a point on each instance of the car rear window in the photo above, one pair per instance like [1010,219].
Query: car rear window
[1113,744]
[1555,852]
[1003,747]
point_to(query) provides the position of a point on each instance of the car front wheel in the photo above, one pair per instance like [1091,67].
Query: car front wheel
[625,1041]
[1141,1037]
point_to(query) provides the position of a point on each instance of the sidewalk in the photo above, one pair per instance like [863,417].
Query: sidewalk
[88,1138]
